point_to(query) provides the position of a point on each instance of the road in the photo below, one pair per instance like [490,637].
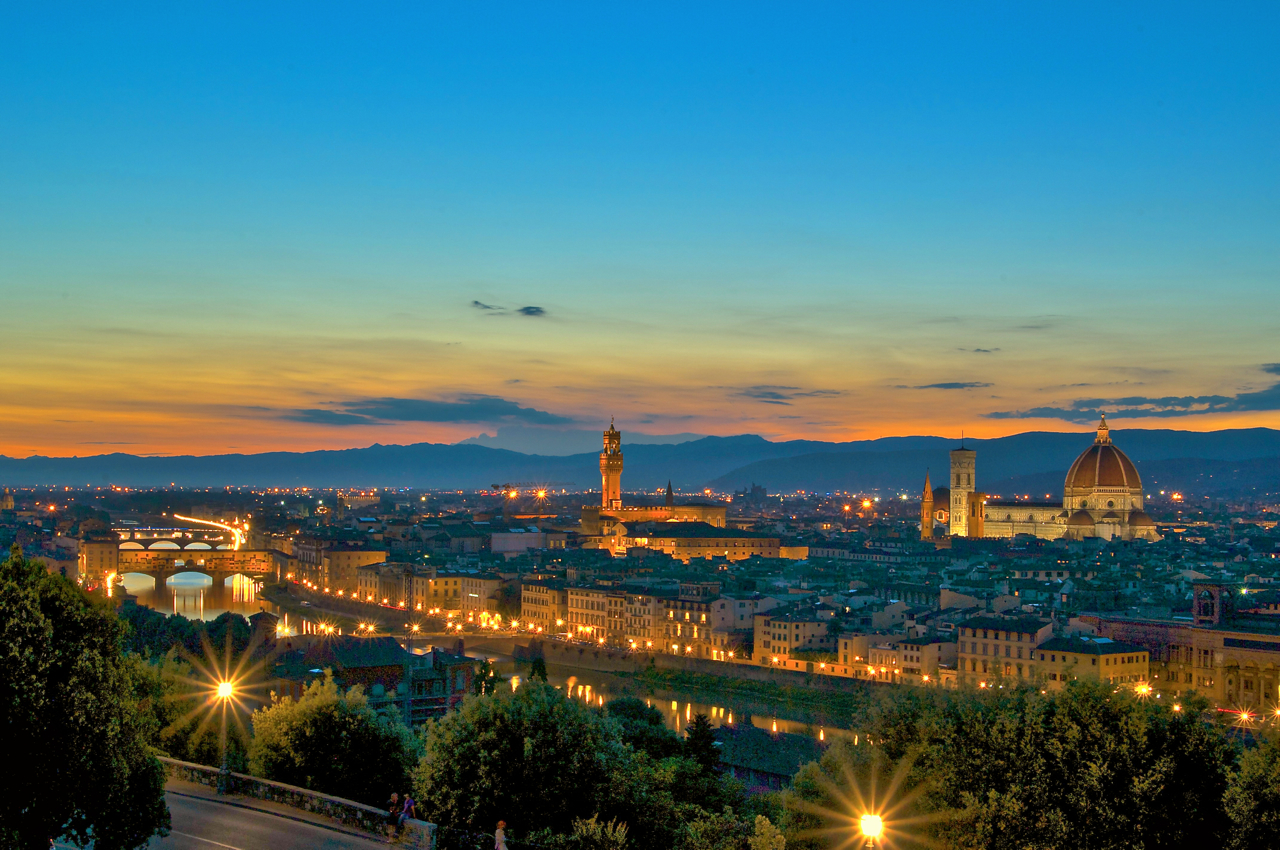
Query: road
[200,824]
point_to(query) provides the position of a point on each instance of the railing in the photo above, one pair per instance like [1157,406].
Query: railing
[417,834]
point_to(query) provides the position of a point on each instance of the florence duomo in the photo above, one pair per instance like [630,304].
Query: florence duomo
[1101,497]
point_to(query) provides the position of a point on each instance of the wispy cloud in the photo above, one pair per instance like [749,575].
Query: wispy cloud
[1089,409]
[947,385]
[497,310]
[464,409]
[773,394]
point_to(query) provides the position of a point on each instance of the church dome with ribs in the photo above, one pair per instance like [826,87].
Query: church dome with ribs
[1104,466]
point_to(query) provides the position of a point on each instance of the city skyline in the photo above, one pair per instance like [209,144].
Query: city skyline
[245,231]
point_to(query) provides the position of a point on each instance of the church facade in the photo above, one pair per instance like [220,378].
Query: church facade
[1101,498]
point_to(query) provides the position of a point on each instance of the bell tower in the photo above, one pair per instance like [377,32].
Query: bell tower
[926,510]
[964,466]
[611,469]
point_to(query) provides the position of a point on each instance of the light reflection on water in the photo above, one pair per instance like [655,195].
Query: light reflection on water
[678,710]
[196,596]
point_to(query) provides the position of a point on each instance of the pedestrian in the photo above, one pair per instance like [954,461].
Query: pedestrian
[500,836]
[393,815]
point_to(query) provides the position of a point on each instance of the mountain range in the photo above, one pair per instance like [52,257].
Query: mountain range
[1032,463]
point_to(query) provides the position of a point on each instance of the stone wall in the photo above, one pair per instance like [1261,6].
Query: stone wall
[613,660]
[418,834]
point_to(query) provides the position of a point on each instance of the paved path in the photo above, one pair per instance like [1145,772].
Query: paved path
[202,823]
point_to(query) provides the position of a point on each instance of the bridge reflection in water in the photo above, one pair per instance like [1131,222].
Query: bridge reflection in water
[197,596]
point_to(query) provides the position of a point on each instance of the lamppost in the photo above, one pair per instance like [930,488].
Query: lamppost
[872,827]
[224,694]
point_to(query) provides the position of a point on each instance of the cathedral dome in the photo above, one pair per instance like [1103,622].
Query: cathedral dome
[1103,465]
[1140,518]
[1081,518]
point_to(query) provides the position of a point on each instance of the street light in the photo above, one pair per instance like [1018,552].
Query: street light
[872,827]
[225,690]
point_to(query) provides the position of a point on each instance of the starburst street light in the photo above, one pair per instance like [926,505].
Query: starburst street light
[867,805]
[872,827]
[224,688]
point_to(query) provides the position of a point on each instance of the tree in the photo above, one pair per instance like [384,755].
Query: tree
[534,758]
[334,743]
[81,767]
[1082,768]
[538,669]
[1018,769]
[766,836]
[176,724]
[643,727]
[1253,798]
[487,679]
[700,743]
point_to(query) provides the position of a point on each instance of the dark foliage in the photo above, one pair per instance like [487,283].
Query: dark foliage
[79,765]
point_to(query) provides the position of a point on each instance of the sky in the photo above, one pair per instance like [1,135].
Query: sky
[267,226]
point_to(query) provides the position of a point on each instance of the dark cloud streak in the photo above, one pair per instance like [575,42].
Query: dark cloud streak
[947,385]
[466,409]
[1165,407]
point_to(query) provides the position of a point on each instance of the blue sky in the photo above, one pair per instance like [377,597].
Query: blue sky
[830,221]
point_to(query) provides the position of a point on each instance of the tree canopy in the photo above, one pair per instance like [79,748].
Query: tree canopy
[333,742]
[80,765]
[1087,767]
[533,758]
[643,727]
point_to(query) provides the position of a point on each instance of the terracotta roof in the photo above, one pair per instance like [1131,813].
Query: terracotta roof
[1103,465]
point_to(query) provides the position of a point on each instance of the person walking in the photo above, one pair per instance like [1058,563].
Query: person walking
[500,836]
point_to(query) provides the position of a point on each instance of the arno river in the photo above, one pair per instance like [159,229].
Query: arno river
[197,597]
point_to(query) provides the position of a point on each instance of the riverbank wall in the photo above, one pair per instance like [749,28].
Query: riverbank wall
[614,660]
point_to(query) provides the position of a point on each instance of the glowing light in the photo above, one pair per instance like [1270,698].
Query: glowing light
[225,690]
[866,503]
[872,826]
[237,534]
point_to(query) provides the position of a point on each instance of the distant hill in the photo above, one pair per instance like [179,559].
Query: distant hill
[1034,462]
[1241,459]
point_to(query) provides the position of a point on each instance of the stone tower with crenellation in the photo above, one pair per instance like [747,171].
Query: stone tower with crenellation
[611,469]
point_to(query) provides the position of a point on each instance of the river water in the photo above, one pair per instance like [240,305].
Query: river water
[196,597]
